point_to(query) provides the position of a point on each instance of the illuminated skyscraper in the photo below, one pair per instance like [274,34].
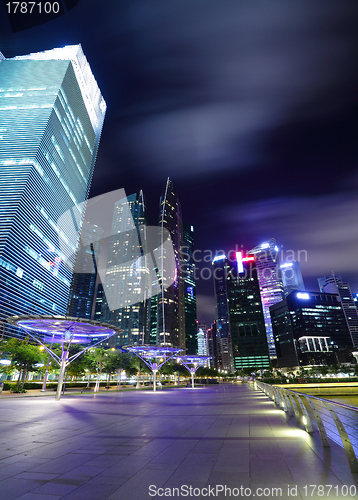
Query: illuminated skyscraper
[334,284]
[224,345]
[127,251]
[189,289]
[291,277]
[202,336]
[82,294]
[170,301]
[51,117]
[212,345]
[310,329]
[247,323]
[270,281]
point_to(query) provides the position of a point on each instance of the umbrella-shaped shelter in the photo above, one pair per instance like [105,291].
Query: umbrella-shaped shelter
[154,356]
[65,331]
[192,363]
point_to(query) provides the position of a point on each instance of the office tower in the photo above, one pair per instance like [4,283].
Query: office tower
[202,339]
[334,284]
[224,345]
[271,288]
[127,253]
[247,323]
[212,346]
[291,277]
[310,329]
[83,286]
[170,300]
[51,117]
[189,289]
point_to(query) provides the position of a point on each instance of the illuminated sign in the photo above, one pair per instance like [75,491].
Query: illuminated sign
[240,259]
[240,267]
[219,257]
[301,295]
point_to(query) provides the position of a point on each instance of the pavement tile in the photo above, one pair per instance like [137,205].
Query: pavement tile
[137,488]
[12,488]
[39,496]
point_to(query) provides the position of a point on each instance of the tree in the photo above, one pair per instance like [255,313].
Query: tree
[123,361]
[25,357]
[179,369]
[112,363]
[78,366]
[138,368]
[97,357]
[205,371]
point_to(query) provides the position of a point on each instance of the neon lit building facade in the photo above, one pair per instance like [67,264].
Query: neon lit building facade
[270,281]
[247,323]
[51,118]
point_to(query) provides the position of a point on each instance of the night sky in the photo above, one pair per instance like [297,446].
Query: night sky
[250,107]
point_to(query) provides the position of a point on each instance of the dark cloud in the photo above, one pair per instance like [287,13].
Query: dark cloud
[323,228]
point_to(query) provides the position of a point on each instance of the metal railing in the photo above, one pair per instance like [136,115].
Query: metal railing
[335,421]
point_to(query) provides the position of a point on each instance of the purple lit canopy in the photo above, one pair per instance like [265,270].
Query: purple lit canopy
[66,331]
[154,356]
[59,329]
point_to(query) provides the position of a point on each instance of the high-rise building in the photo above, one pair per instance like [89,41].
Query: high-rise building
[127,253]
[270,281]
[212,346]
[189,289]
[202,341]
[247,323]
[170,328]
[51,117]
[83,286]
[310,329]
[335,284]
[223,334]
[291,277]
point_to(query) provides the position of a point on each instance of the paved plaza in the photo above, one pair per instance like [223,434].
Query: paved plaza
[118,445]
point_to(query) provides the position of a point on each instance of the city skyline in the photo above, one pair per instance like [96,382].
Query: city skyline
[260,142]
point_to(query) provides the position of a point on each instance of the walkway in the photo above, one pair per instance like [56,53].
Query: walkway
[114,446]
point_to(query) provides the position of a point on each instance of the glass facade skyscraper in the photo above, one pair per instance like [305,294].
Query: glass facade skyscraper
[335,284]
[247,323]
[270,281]
[189,289]
[170,328]
[83,286]
[291,277]
[202,336]
[224,345]
[127,251]
[310,329]
[51,117]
